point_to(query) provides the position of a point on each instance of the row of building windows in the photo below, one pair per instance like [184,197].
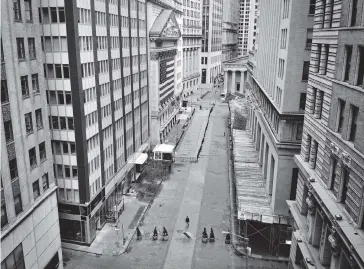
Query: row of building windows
[61,123]
[33,155]
[63,147]
[24,84]
[65,171]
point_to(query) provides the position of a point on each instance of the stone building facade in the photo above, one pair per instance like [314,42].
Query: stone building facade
[276,85]
[30,232]
[329,209]
[164,36]
[230,25]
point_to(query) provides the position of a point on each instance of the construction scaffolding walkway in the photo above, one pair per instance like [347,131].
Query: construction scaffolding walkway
[267,232]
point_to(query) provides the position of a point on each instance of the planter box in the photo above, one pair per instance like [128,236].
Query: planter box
[204,239]
[165,237]
[155,237]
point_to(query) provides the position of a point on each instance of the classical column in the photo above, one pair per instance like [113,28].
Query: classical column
[233,82]
[323,59]
[226,81]
[311,216]
[307,148]
[242,81]
[313,153]
[318,104]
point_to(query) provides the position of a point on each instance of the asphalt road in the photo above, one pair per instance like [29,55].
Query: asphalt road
[170,206]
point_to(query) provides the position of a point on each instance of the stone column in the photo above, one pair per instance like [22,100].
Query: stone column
[226,75]
[318,104]
[313,153]
[242,81]
[323,58]
[233,82]
[311,216]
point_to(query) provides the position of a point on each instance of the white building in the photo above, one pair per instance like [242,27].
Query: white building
[247,26]
[30,232]
[191,35]
[211,47]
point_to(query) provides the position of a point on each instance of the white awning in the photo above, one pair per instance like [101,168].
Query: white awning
[141,159]
[164,148]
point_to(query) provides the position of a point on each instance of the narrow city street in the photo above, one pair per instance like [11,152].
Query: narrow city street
[198,190]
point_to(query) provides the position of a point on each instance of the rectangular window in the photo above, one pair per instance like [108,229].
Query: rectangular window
[8,129]
[28,10]
[360,79]
[294,184]
[31,46]
[17,10]
[39,118]
[4,217]
[32,158]
[55,123]
[14,260]
[302,101]
[13,169]
[340,115]
[36,190]
[28,123]
[306,70]
[58,69]
[18,206]
[45,181]
[326,60]
[62,121]
[42,151]
[20,48]
[354,111]
[299,131]
[24,86]
[53,14]
[354,11]
[70,124]
[348,54]
[4,91]
[35,83]
[61,15]
[312,7]
[309,38]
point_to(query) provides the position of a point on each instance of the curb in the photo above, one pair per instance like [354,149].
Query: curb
[125,247]
[206,93]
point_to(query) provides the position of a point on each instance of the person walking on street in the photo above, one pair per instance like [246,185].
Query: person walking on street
[224,133]
[187,221]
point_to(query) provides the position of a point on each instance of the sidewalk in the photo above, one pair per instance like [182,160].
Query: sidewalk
[188,150]
[106,238]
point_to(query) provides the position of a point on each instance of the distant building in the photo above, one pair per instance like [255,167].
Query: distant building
[164,39]
[191,35]
[248,17]
[211,47]
[230,24]
[30,232]
[328,208]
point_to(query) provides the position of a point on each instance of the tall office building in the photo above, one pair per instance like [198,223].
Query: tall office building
[230,26]
[247,26]
[191,36]
[328,210]
[211,47]
[30,233]
[165,65]
[95,55]
[278,82]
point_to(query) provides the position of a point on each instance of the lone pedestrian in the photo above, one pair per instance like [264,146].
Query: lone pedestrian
[224,133]
[187,221]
